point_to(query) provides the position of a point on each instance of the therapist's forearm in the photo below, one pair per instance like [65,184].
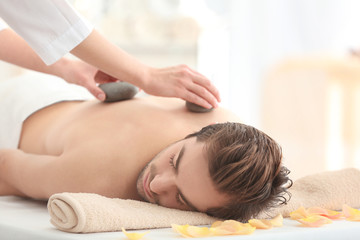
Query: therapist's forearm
[99,52]
[14,50]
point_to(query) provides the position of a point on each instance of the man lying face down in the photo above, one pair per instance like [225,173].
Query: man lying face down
[145,149]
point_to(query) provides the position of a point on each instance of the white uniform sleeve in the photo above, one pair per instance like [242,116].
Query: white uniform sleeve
[51,27]
[2,25]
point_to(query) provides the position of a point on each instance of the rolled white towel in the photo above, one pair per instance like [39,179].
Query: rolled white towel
[88,212]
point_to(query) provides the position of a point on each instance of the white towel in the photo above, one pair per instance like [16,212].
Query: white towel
[329,190]
[87,212]
[21,96]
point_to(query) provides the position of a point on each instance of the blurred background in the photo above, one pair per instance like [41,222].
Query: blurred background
[289,68]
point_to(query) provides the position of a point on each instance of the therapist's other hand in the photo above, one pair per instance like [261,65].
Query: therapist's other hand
[183,82]
[86,75]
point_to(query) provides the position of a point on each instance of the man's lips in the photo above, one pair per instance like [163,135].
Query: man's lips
[146,184]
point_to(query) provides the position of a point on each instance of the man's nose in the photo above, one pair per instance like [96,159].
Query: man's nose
[162,184]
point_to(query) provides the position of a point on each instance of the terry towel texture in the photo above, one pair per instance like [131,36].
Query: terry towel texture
[88,212]
[85,212]
[21,96]
[329,190]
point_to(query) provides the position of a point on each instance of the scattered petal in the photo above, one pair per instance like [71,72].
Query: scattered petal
[181,229]
[314,221]
[221,228]
[195,231]
[299,213]
[232,227]
[134,236]
[351,214]
[324,212]
[311,217]
[218,228]
[245,229]
[216,224]
[260,223]
[277,221]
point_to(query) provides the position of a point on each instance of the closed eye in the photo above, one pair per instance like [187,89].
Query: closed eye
[172,164]
[171,161]
[178,200]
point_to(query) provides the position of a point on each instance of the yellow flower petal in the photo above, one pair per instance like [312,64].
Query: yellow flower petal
[218,228]
[181,229]
[299,213]
[245,229]
[260,223]
[218,231]
[195,231]
[277,221]
[134,236]
[267,223]
[351,214]
[324,212]
[216,224]
[314,221]
[222,228]
[232,227]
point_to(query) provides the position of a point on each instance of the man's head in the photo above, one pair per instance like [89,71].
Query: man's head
[227,170]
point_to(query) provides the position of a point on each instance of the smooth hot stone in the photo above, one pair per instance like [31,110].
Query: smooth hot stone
[192,107]
[118,91]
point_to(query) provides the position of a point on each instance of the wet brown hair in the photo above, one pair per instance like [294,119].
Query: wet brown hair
[246,165]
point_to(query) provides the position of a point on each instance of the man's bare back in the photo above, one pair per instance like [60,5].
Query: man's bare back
[99,147]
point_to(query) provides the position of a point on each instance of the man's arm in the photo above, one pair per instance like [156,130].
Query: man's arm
[40,176]
[25,174]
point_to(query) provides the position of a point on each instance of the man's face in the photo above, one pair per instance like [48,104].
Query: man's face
[178,177]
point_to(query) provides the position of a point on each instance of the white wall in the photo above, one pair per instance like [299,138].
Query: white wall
[252,38]
[257,34]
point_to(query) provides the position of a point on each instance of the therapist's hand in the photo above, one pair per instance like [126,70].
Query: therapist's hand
[182,82]
[86,75]
[178,81]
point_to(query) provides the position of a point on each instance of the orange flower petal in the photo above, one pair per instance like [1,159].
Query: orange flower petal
[351,214]
[195,231]
[245,229]
[232,227]
[216,224]
[218,228]
[134,236]
[267,223]
[299,213]
[277,221]
[260,223]
[181,229]
[192,231]
[218,231]
[324,212]
[314,221]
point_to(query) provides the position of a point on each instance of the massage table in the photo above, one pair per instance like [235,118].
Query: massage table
[22,218]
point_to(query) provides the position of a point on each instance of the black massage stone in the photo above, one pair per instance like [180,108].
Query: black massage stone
[118,91]
[192,107]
